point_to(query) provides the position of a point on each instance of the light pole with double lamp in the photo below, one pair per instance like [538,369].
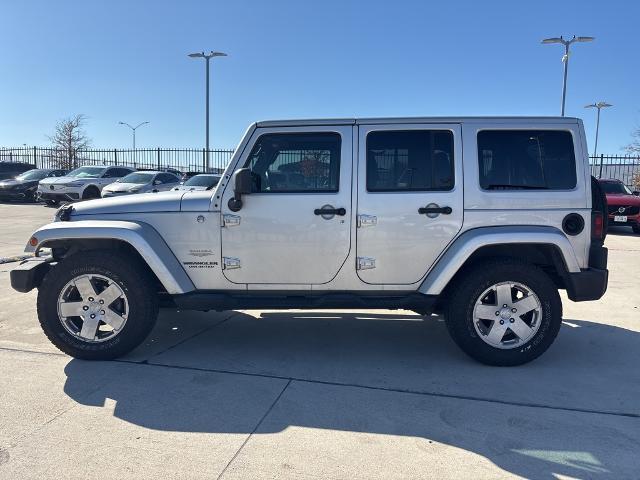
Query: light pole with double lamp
[207,57]
[599,106]
[133,129]
[565,59]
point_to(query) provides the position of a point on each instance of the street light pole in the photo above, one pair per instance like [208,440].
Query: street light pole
[599,106]
[565,60]
[207,57]
[133,129]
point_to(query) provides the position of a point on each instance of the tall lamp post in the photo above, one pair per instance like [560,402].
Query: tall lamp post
[133,129]
[599,106]
[207,57]
[565,59]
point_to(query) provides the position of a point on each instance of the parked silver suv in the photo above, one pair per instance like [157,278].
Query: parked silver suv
[482,220]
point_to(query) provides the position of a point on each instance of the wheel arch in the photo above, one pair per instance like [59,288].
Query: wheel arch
[546,247]
[135,238]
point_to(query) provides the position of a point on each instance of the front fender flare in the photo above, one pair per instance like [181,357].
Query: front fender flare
[467,243]
[141,236]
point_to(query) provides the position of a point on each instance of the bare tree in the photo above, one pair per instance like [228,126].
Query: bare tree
[69,138]
[634,146]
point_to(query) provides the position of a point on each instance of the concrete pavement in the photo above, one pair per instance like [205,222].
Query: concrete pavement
[326,394]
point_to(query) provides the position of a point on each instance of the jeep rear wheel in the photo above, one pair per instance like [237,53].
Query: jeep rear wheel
[96,306]
[504,312]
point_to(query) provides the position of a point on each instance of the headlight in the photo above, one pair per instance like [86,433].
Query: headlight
[74,184]
[135,189]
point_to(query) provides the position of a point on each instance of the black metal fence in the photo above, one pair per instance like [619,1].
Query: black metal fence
[186,159]
[620,167]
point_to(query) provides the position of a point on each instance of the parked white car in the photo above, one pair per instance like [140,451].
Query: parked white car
[83,183]
[203,181]
[141,182]
[396,213]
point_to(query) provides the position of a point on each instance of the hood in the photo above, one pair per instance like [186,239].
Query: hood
[187,188]
[12,182]
[615,199]
[159,202]
[8,183]
[57,180]
[124,187]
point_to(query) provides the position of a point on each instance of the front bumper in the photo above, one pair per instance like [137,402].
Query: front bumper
[29,274]
[631,221]
[59,197]
[16,194]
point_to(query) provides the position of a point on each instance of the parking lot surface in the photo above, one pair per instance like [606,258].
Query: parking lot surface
[321,394]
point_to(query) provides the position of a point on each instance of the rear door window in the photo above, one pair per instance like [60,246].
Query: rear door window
[410,160]
[526,160]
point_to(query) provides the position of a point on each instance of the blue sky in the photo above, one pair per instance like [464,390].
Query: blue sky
[124,60]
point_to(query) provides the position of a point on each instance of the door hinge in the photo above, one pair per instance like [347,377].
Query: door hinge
[365,263]
[229,220]
[230,263]
[367,221]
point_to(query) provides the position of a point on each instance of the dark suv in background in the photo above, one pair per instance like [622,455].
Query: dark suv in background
[624,205]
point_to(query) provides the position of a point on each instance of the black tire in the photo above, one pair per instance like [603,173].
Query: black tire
[472,283]
[91,193]
[132,277]
[636,229]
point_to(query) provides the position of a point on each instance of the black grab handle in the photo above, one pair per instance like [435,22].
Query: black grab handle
[330,211]
[443,210]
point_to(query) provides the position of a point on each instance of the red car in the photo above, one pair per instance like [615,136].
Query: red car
[624,205]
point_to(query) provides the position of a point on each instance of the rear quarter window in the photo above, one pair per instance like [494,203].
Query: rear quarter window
[526,160]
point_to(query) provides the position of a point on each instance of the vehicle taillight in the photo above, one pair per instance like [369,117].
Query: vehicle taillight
[597,226]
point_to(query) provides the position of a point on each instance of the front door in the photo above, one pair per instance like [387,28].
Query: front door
[410,203]
[294,228]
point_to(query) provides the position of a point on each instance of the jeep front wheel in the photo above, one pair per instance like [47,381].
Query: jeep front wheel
[97,306]
[504,312]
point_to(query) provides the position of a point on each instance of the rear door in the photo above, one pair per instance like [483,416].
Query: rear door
[410,199]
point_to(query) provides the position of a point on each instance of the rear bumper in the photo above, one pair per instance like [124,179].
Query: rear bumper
[590,283]
[29,274]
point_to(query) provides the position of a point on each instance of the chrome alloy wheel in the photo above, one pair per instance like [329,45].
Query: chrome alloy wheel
[507,315]
[93,308]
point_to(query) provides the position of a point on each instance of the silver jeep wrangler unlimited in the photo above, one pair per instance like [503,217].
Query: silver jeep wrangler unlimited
[481,220]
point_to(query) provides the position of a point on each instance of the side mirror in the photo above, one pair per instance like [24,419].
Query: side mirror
[241,186]
[157,182]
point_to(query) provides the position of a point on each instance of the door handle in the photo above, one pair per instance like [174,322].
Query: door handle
[433,209]
[330,211]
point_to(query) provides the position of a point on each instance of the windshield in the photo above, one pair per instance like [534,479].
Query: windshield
[615,187]
[32,175]
[137,177]
[87,172]
[202,181]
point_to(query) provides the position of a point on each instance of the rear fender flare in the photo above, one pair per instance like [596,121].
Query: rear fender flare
[468,242]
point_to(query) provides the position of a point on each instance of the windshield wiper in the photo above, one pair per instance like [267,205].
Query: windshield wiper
[514,187]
